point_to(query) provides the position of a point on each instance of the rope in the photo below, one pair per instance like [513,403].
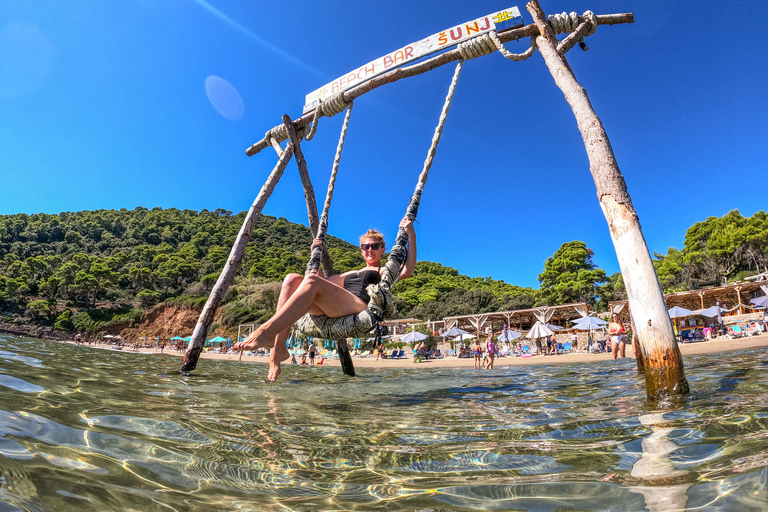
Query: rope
[329,108]
[476,47]
[513,56]
[398,253]
[314,260]
[279,133]
[381,304]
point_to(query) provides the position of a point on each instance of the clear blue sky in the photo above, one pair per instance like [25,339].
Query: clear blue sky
[105,105]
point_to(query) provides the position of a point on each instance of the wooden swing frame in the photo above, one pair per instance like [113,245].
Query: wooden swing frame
[659,355]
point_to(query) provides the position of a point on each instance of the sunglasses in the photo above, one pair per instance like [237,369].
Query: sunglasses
[374,246]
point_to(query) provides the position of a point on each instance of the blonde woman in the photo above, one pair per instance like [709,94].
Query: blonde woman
[333,296]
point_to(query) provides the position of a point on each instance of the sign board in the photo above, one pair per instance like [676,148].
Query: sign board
[498,21]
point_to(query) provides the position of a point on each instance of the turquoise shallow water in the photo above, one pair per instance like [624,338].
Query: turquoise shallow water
[86,429]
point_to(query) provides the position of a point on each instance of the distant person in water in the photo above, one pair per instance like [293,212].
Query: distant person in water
[333,296]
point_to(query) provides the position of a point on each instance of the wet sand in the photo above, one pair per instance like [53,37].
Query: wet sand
[719,345]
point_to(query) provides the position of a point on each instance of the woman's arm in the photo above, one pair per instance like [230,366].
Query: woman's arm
[410,259]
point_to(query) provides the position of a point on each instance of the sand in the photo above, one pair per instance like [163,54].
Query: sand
[719,345]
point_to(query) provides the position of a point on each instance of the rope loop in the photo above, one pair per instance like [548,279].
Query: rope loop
[512,56]
[309,131]
[592,20]
[563,23]
[334,104]
[476,47]
[329,108]
[279,133]
[567,22]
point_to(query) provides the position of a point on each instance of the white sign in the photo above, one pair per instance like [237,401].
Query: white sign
[499,21]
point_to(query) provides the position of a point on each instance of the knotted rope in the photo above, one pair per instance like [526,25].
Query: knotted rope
[564,23]
[330,107]
[488,43]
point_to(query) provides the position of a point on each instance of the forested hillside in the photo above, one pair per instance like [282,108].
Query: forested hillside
[717,249]
[82,270]
[51,265]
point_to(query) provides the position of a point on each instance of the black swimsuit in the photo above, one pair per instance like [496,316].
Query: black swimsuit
[356,283]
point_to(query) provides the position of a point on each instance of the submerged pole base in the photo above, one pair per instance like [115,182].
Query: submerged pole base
[190,360]
[346,360]
[664,375]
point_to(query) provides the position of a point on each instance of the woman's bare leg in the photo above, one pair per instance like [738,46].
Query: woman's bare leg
[280,352]
[288,288]
[314,295]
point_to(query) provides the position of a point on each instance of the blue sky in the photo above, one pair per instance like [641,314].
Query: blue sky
[153,103]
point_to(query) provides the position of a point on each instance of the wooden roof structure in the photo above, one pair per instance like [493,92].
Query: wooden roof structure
[728,296]
[520,319]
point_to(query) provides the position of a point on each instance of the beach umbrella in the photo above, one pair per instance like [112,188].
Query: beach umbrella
[539,330]
[177,338]
[554,327]
[678,312]
[588,323]
[218,339]
[413,336]
[453,332]
[710,312]
[760,302]
[508,336]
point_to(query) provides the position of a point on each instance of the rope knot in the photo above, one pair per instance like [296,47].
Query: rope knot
[563,23]
[279,133]
[334,104]
[476,47]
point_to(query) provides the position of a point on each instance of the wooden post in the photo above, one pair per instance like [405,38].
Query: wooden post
[309,191]
[638,351]
[664,373]
[227,275]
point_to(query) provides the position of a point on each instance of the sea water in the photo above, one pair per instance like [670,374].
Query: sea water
[86,429]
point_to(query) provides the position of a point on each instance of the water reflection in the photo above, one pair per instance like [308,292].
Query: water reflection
[109,430]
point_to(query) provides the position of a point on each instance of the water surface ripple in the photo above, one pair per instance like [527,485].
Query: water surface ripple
[86,429]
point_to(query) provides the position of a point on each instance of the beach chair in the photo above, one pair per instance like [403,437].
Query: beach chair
[736,332]
[392,355]
[526,349]
[567,347]
[400,354]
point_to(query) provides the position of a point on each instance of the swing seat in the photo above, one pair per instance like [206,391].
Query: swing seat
[381,306]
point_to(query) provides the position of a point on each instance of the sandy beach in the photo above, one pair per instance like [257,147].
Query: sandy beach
[719,345]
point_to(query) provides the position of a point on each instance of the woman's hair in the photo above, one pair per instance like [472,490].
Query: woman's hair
[372,233]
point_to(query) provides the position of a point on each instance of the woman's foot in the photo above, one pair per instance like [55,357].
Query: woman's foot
[276,356]
[258,339]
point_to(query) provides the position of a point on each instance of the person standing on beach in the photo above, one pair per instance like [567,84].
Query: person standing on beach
[477,351]
[490,349]
[616,331]
[312,352]
[380,351]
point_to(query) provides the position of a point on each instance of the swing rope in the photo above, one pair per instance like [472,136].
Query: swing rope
[381,304]
[314,260]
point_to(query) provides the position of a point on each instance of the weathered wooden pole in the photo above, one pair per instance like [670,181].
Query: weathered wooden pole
[319,228]
[664,373]
[309,191]
[195,346]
